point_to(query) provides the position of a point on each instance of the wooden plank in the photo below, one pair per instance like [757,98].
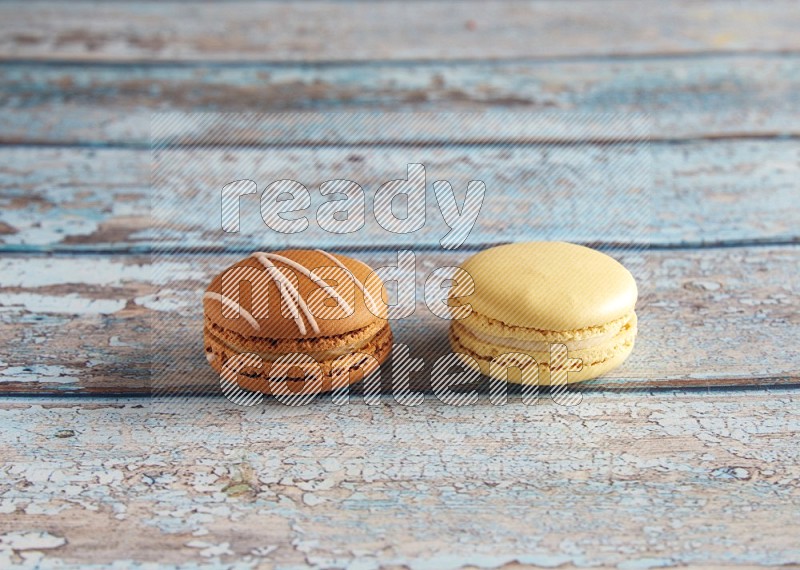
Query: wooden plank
[710,96]
[663,476]
[343,31]
[83,324]
[51,196]
[59,199]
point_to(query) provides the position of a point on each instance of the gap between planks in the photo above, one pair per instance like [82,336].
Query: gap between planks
[125,250]
[531,143]
[760,386]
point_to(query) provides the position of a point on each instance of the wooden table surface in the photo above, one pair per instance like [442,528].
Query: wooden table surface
[688,455]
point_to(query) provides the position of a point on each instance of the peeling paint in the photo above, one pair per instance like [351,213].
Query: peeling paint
[71,304]
[363,486]
[40,372]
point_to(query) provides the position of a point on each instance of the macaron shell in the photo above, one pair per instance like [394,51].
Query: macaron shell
[553,286]
[587,372]
[277,326]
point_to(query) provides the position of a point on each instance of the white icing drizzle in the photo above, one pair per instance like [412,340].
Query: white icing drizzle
[356,280]
[233,305]
[313,276]
[289,293]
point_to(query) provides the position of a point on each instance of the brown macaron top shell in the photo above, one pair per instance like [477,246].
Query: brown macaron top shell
[259,295]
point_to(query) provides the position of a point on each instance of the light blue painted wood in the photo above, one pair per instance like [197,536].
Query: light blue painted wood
[701,193]
[632,481]
[316,31]
[708,318]
[707,96]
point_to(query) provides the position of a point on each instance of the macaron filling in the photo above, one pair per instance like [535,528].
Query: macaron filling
[527,345]
[318,355]
[601,353]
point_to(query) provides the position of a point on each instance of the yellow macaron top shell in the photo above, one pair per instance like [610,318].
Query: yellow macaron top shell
[554,286]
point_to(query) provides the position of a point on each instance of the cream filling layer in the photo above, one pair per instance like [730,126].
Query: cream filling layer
[319,356]
[541,345]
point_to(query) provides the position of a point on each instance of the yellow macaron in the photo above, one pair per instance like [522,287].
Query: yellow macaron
[530,296]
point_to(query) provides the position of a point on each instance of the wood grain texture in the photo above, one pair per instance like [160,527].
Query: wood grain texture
[621,480]
[344,31]
[68,200]
[702,97]
[710,317]
[686,456]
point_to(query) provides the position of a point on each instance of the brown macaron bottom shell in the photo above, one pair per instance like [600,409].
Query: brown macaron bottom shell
[374,342]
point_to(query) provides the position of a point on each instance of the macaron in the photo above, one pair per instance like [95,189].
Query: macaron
[271,305]
[530,296]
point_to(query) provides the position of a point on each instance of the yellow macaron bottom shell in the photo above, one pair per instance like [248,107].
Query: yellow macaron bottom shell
[600,348]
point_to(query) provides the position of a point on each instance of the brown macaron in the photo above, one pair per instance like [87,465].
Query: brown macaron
[267,317]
